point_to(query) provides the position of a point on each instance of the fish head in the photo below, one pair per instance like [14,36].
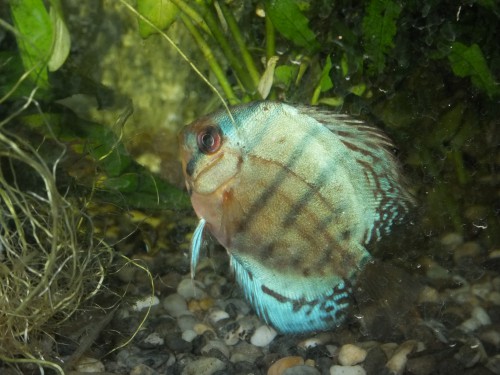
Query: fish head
[211,159]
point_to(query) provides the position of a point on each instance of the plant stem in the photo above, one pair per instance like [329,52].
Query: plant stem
[192,14]
[270,39]
[210,58]
[223,43]
[240,41]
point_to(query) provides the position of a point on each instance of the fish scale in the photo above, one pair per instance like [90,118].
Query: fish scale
[293,194]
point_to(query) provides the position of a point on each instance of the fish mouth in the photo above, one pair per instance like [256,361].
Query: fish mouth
[190,169]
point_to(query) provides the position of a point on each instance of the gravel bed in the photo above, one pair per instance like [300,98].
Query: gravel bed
[205,327]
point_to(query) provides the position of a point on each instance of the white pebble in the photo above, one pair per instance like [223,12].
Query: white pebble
[175,305]
[216,315]
[154,338]
[186,322]
[347,370]
[478,319]
[189,335]
[87,364]
[263,336]
[397,363]
[350,355]
[482,289]
[191,289]
[145,303]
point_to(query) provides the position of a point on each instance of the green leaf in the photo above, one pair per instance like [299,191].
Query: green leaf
[285,74]
[34,37]
[161,13]
[469,62]
[325,82]
[121,179]
[287,18]
[379,29]
[61,41]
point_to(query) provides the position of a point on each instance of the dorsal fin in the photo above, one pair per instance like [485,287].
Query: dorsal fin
[372,149]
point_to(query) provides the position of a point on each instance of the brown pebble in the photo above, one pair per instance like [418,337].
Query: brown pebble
[281,365]
[206,303]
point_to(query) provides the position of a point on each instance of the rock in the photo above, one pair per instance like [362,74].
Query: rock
[479,318]
[301,370]
[451,240]
[424,365]
[191,289]
[217,315]
[145,303]
[493,364]
[281,365]
[216,345]
[177,344]
[186,322]
[350,355]
[466,250]
[428,294]
[88,364]
[263,336]
[142,369]
[132,357]
[189,335]
[175,305]
[151,341]
[204,366]
[397,363]
[245,352]
[471,353]
[375,361]
[347,370]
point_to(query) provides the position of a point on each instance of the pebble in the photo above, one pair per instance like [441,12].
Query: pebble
[152,340]
[479,318]
[142,369]
[428,294]
[493,364]
[471,353]
[281,365]
[494,298]
[201,328]
[301,370]
[217,345]
[424,365]
[132,357]
[191,289]
[451,240]
[175,305]
[217,315]
[466,250]
[263,336]
[145,303]
[186,322]
[204,366]
[88,364]
[350,355]
[245,352]
[189,335]
[347,370]
[397,362]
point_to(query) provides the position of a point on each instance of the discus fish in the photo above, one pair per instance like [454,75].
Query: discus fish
[293,193]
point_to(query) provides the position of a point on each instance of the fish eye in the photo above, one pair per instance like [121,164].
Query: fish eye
[209,140]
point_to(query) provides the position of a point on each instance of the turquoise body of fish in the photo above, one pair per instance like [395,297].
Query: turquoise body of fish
[294,194]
